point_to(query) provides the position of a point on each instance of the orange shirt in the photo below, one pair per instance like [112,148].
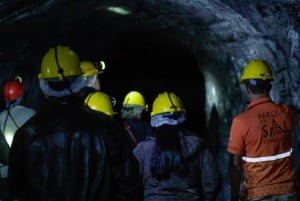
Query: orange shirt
[262,135]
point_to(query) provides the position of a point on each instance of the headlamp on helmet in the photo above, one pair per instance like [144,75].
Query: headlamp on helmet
[91,68]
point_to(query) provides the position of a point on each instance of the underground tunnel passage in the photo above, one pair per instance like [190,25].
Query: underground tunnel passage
[195,48]
[152,62]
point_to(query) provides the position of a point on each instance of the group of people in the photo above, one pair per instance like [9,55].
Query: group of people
[73,147]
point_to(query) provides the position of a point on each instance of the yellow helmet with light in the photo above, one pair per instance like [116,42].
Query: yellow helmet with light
[134,98]
[60,62]
[166,102]
[89,68]
[257,69]
[100,102]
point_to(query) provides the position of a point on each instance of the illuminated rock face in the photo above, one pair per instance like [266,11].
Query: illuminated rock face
[195,48]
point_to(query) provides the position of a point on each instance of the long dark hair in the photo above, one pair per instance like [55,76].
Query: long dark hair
[167,155]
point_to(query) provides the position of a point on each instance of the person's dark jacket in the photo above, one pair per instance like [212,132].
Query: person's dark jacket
[197,179]
[4,149]
[65,153]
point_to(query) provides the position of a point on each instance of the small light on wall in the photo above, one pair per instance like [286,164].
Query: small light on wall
[118,10]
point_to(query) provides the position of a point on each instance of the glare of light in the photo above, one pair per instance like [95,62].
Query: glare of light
[102,63]
[118,10]
[9,138]
[212,93]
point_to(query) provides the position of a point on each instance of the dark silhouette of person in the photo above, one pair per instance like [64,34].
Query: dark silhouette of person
[65,152]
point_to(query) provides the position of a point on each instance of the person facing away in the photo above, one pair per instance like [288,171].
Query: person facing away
[65,152]
[91,71]
[132,111]
[175,163]
[12,118]
[15,113]
[101,103]
[260,144]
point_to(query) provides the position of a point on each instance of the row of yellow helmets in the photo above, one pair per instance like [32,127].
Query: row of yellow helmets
[166,102]
[62,58]
[61,62]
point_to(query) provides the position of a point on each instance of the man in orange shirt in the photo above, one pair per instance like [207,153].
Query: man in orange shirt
[260,143]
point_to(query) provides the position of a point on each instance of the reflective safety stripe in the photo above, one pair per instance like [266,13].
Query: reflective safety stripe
[267,158]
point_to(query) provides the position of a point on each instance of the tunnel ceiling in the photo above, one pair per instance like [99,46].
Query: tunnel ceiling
[224,33]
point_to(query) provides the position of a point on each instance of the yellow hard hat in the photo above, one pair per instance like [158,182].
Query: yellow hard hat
[257,69]
[100,102]
[134,98]
[89,68]
[60,62]
[166,102]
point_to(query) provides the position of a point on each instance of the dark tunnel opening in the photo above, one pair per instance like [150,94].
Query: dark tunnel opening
[153,61]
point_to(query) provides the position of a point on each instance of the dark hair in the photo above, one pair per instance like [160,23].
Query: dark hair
[167,155]
[258,86]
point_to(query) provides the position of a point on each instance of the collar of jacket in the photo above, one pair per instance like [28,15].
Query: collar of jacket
[258,102]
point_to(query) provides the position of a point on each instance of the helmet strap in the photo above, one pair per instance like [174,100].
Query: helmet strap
[60,71]
[173,106]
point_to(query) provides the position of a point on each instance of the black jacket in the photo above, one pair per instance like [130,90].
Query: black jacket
[66,153]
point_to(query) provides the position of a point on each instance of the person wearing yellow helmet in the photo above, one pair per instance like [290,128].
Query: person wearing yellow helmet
[260,143]
[133,108]
[60,74]
[90,71]
[167,157]
[66,152]
[100,102]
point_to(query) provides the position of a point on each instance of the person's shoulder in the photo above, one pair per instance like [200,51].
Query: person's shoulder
[145,145]
[3,112]
[192,143]
[24,108]
[243,116]
[146,141]
[290,107]
[192,137]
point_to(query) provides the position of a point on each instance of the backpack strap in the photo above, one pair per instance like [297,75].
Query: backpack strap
[128,129]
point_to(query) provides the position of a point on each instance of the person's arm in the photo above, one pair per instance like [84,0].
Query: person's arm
[235,176]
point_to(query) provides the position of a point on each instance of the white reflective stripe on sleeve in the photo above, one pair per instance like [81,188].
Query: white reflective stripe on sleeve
[267,158]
